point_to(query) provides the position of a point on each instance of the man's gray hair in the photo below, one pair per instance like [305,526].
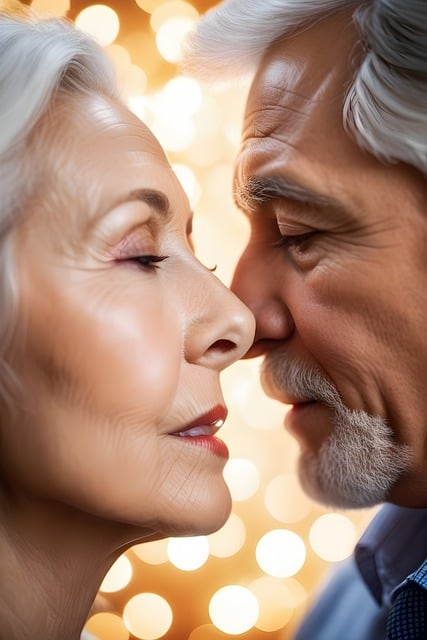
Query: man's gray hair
[386,105]
[41,61]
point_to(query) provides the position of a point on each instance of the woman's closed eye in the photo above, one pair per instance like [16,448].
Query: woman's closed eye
[148,261]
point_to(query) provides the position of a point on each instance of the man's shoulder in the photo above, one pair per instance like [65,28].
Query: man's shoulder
[334,614]
[420,575]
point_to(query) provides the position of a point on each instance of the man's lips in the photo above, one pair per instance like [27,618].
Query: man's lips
[297,406]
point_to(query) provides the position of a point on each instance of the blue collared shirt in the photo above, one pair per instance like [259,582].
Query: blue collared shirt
[355,602]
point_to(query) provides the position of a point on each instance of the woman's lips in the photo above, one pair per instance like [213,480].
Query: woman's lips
[212,419]
[211,443]
[201,431]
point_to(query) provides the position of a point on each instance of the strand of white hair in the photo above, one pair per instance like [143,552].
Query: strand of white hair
[385,109]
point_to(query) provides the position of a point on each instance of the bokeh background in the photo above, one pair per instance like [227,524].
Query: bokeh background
[255,578]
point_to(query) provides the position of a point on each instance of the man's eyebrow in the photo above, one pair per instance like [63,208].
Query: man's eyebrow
[258,190]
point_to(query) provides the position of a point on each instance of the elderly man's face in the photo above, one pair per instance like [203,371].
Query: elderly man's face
[336,273]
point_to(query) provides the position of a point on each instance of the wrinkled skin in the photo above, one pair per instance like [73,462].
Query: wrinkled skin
[335,269]
[113,356]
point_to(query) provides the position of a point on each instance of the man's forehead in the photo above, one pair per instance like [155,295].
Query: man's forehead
[311,65]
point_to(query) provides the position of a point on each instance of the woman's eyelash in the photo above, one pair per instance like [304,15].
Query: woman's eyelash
[148,261]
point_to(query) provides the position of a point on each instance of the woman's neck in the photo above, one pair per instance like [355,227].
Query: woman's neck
[53,560]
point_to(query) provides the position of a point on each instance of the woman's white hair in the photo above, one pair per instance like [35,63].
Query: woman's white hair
[41,61]
[386,105]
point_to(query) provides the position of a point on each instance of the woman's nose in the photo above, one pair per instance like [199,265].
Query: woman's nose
[221,328]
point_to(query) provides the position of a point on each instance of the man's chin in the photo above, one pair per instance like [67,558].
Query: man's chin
[329,496]
[337,487]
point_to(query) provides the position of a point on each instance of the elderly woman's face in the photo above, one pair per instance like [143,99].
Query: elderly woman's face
[125,335]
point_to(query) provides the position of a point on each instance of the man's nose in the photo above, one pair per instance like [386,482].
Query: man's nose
[221,328]
[260,287]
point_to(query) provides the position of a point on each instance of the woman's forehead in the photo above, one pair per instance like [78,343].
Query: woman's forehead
[111,125]
[94,152]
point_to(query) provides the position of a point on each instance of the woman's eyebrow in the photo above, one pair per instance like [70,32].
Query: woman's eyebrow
[154,199]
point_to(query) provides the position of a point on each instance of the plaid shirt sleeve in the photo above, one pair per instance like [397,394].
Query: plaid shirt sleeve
[408,616]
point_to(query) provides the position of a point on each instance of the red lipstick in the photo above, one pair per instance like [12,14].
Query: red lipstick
[201,431]
[214,418]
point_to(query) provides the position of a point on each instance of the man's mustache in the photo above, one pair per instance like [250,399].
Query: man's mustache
[292,381]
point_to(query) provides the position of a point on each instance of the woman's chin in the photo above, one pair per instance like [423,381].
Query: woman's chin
[201,518]
[192,519]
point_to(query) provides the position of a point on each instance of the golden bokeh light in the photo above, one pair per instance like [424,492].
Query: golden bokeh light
[242,478]
[138,106]
[183,94]
[276,603]
[172,136]
[219,207]
[285,499]
[229,539]
[332,536]
[143,51]
[51,7]
[147,616]
[101,22]
[152,552]
[299,594]
[234,609]
[280,553]
[149,5]
[257,410]
[120,57]
[12,5]
[208,118]
[107,626]
[205,241]
[119,575]
[171,35]
[263,413]
[172,9]
[135,80]
[206,632]
[189,182]
[189,553]
[207,153]
[241,382]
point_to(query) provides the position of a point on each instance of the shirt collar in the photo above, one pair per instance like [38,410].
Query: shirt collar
[392,547]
